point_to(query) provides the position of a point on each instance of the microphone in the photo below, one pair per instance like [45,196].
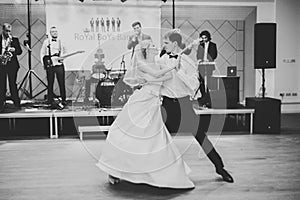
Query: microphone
[26,44]
[28,48]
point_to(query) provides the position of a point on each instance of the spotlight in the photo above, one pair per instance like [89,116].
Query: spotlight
[123,1]
[164,1]
[81,1]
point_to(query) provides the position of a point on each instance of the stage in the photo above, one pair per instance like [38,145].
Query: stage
[79,117]
[52,121]
[263,167]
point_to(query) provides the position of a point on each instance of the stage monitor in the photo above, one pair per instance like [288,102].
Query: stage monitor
[264,45]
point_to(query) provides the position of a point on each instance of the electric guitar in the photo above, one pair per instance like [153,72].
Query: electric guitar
[55,59]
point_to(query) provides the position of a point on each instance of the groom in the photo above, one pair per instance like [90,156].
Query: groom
[176,94]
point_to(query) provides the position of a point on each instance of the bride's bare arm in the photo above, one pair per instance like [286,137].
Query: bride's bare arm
[155,73]
[159,79]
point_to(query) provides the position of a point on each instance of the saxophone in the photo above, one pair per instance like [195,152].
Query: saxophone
[7,55]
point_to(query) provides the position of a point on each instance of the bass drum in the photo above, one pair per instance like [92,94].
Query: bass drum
[113,93]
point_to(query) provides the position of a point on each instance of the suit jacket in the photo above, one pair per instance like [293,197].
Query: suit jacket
[132,44]
[13,63]
[212,52]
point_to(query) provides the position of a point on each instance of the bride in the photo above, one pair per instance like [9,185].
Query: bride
[139,148]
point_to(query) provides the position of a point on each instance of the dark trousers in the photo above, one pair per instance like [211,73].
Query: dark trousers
[59,72]
[2,86]
[205,70]
[11,73]
[180,117]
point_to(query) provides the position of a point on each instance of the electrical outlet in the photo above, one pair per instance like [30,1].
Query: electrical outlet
[281,94]
[294,94]
[288,94]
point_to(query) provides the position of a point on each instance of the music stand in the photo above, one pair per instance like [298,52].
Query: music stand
[30,72]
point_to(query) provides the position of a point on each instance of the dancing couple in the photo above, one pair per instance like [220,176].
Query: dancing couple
[139,147]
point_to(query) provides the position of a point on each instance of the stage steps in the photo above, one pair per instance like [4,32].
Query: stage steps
[83,129]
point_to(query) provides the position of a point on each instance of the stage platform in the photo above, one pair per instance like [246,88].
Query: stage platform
[55,117]
[55,123]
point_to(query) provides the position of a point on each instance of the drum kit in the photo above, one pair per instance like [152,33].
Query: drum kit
[111,91]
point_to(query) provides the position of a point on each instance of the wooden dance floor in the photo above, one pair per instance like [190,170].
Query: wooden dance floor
[263,166]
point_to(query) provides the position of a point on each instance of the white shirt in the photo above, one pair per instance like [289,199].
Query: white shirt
[184,82]
[55,47]
[205,50]
[4,44]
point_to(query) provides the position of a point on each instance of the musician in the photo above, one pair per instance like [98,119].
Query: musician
[54,46]
[206,53]
[118,21]
[137,37]
[10,46]
[107,24]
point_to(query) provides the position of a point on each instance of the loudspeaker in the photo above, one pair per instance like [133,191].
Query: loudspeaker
[228,86]
[264,45]
[267,114]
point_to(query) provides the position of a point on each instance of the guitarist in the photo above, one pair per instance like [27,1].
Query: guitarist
[51,56]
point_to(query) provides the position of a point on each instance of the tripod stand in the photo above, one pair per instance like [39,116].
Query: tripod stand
[28,78]
[30,72]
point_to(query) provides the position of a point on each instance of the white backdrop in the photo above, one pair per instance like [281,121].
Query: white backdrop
[73,21]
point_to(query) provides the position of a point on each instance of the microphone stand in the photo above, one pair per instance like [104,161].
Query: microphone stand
[122,67]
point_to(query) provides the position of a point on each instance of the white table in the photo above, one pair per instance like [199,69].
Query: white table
[211,111]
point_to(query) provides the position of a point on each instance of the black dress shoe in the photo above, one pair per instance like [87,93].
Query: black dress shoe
[225,175]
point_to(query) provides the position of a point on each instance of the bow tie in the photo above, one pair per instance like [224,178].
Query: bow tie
[173,56]
[54,40]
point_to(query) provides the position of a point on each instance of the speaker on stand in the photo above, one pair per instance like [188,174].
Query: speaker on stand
[267,110]
[264,48]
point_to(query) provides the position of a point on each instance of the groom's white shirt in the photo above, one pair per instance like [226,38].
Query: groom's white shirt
[184,82]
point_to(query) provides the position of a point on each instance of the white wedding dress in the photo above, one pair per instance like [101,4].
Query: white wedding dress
[139,148]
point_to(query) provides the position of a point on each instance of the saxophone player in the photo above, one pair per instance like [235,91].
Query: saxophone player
[9,65]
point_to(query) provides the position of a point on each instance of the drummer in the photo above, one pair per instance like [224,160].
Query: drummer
[98,74]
